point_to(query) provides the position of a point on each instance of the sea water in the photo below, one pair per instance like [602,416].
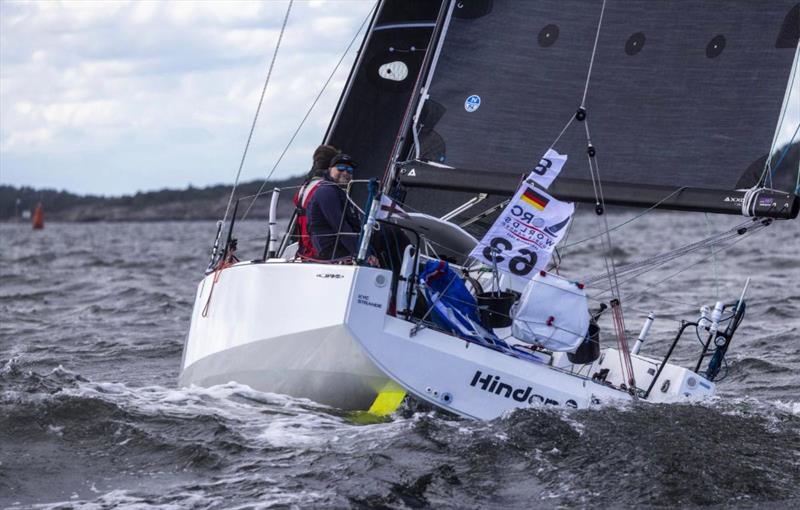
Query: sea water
[93,319]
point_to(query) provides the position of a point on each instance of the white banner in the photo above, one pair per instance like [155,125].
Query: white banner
[548,168]
[524,236]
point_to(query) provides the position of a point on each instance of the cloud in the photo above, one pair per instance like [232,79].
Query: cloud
[114,97]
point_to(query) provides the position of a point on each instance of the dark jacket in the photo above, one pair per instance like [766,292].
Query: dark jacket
[328,209]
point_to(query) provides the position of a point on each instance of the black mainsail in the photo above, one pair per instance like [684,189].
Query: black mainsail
[683,101]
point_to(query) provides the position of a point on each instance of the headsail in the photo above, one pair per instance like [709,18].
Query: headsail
[683,100]
[380,85]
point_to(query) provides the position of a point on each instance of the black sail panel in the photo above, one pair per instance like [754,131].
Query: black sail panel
[682,94]
[371,108]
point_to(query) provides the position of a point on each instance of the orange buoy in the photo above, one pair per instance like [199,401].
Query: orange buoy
[38,217]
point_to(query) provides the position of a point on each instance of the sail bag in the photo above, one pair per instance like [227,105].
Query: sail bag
[553,312]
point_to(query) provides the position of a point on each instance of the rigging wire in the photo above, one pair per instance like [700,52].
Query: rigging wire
[626,365]
[713,258]
[784,108]
[588,78]
[783,154]
[563,130]
[607,244]
[633,297]
[258,110]
[653,262]
[586,84]
[620,225]
[594,51]
[636,295]
[311,108]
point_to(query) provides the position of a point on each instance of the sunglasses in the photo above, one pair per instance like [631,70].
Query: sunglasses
[345,168]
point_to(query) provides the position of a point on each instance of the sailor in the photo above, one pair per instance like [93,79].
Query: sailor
[334,222]
[321,161]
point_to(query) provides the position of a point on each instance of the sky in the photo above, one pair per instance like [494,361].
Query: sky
[113,97]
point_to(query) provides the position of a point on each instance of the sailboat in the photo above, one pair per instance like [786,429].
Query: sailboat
[457,111]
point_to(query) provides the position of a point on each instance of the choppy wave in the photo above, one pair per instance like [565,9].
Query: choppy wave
[93,320]
[230,445]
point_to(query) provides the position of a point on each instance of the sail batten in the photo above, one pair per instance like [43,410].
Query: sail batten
[683,95]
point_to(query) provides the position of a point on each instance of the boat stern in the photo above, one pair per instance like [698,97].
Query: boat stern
[280,327]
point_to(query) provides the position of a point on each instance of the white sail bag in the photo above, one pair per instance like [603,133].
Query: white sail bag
[552,312]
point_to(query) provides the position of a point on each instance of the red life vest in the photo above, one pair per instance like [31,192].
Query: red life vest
[305,248]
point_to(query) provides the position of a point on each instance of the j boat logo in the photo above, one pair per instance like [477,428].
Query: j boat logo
[491,384]
[472,103]
[330,275]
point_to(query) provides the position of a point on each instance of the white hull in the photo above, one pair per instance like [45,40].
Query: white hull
[279,327]
[478,382]
[322,332]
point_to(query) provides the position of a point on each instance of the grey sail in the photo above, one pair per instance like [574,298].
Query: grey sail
[682,105]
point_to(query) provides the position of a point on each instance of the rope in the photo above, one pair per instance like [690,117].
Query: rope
[620,225]
[223,264]
[625,363]
[607,244]
[310,109]
[686,268]
[258,110]
[662,258]
[594,50]
[586,84]
[704,259]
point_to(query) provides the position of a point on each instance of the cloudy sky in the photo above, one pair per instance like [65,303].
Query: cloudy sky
[113,96]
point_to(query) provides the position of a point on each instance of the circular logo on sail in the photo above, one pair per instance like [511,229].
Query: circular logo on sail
[472,103]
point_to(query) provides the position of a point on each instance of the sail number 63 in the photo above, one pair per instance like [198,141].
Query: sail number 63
[520,265]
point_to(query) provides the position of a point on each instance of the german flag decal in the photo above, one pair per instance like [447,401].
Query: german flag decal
[535,199]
